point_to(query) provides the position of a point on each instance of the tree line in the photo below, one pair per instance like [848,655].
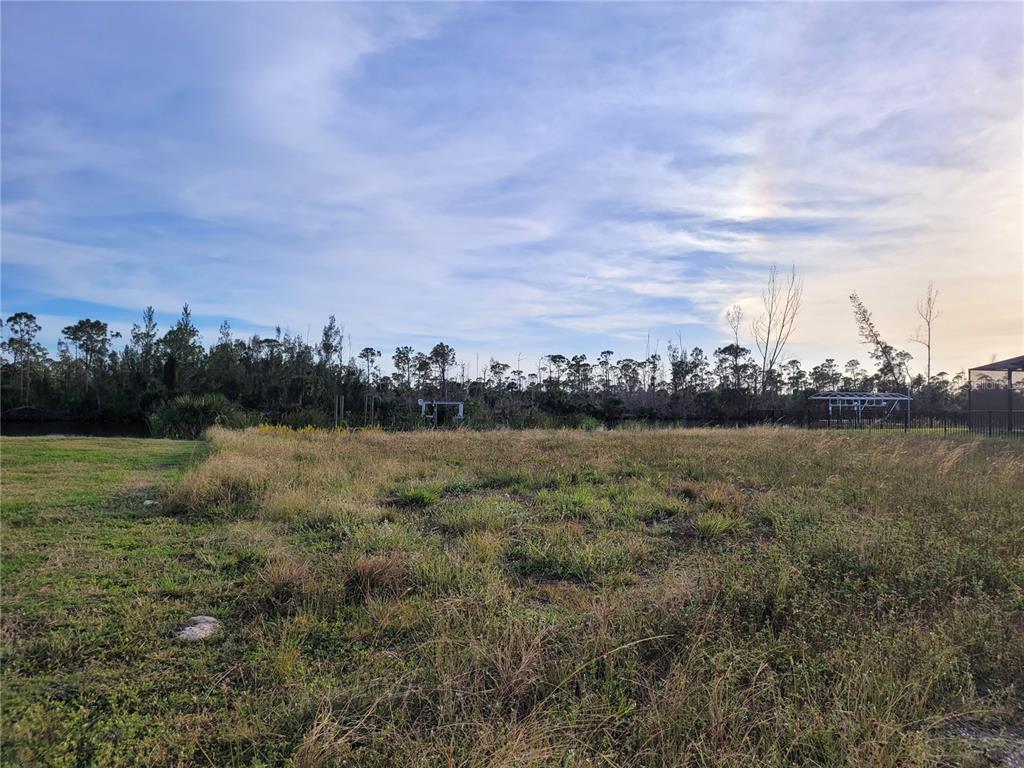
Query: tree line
[284,378]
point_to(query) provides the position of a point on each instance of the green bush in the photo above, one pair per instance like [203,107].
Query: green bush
[186,417]
[584,422]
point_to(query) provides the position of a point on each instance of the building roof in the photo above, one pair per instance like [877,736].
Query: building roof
[1011,364]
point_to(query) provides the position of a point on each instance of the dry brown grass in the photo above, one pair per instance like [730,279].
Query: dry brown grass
[234,478]
[513,666]
[290,504]
[376,576]
[721,496]
[323,745]
[286,581]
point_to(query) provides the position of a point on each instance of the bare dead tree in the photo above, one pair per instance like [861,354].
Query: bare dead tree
[772,329]
[926,310]
[734,317]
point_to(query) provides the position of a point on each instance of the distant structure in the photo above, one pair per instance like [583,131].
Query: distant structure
[863,406]
[434,404]
[996,396]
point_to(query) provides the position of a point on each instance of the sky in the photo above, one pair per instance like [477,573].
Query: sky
[518,179]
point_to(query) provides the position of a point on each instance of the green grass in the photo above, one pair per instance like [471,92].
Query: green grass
[416,496]
[710,525]
[705,598]
[39,473]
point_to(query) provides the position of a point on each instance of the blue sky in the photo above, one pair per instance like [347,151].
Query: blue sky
[517,178]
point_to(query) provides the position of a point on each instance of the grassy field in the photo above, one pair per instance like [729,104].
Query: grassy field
[733,598]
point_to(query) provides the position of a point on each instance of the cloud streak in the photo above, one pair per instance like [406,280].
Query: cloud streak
[526,178]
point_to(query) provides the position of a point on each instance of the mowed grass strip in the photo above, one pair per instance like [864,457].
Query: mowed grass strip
[700,597]
[40,473]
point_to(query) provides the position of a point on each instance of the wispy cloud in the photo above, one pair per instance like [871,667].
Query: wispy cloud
[519,178]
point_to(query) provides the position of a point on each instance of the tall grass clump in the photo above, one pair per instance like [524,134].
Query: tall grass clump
[712,525]
[232,482]
[417,496]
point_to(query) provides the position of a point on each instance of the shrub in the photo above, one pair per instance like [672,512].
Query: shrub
[584,422]
[186,417]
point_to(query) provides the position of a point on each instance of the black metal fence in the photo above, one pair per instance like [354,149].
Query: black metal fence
[988,423]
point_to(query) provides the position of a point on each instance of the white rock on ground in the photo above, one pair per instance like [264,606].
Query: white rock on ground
[198,628]
[148,503]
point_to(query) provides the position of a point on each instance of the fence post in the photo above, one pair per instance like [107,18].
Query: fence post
[990,423]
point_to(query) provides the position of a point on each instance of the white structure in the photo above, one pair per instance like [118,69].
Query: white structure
[886,403]
[435,403]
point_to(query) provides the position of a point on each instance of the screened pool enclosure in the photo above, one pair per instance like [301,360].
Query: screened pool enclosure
[996,396]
